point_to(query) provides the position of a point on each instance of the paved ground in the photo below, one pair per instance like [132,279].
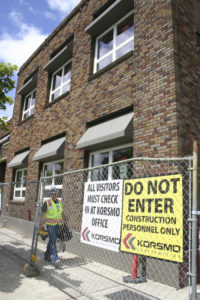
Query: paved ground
[78,274]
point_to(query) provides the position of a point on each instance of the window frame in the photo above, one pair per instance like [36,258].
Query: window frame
[69,62]
[29,109]
[115,47]
[110,151]
[21,189]
[48,187]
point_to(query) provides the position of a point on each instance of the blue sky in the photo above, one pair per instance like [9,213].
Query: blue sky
[24,24]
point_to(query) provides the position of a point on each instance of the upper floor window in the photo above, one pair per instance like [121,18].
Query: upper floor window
[60,82]
[29,105]
[28,93]
[59,67]
[114,43]
[20,184]
[113,29]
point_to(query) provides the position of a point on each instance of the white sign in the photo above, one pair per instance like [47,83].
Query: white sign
[102,210]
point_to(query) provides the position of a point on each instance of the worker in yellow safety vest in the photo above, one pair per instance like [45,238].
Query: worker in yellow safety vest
[53,211]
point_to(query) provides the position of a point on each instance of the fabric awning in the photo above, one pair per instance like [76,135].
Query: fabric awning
[60,58]
[20,160]
[54,149]
[108,133]
[111,15]
[28,86]
[4,139]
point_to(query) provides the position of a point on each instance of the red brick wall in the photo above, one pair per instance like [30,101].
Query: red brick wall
[154,94]
[187,63]
[3,153]
[149,79]
[187,67]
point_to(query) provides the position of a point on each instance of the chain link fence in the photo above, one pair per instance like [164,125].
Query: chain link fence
[18,199]
[131,217]
[128,226]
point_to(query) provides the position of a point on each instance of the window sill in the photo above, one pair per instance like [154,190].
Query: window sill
[22,122]
[57,99]
[19,201]
[110,66]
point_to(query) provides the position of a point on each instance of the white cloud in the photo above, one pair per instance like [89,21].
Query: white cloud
[16,49]
[64,7]
[50,15]
[17,18]
[31,9]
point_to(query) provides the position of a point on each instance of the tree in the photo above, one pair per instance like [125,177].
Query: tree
[6,85]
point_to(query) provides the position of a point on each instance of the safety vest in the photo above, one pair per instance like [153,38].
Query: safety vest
[54,213]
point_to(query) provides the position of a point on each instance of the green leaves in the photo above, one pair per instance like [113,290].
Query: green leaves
[3,123]
[6,85]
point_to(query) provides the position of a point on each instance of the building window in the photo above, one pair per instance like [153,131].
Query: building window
[20,184]
[49,170]
[29,105]
[60,82]
[108,156]
[114,43]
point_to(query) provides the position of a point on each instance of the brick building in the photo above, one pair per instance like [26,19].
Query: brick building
[134,63]
[110,65]
[4,142]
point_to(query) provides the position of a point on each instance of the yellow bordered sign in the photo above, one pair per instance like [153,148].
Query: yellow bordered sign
[152,217]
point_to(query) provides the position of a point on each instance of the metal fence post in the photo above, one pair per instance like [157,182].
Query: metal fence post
[33,258]
[194,223]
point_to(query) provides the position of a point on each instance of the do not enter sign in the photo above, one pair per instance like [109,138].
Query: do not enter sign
[152,217]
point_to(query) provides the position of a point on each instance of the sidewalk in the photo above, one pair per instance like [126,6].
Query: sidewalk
[77,274]
[14,285]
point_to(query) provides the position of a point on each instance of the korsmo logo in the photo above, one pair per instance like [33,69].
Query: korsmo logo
[85,234]
[128,241]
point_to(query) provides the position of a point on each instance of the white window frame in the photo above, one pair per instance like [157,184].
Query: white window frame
[58,186]
[115,47]
[30,108]
[22,188]
[62,83]
[110,150]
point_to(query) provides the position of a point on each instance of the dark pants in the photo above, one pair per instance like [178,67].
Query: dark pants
[51,246]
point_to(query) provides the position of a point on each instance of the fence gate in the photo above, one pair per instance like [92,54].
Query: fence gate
[131,225]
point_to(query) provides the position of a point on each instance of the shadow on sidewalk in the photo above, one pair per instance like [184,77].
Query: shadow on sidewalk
[12,271]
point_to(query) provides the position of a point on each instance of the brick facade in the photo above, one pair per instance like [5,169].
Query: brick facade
[3,153]
[160,79]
